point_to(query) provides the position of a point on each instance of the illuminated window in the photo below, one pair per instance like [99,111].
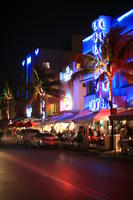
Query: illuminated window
[46,65]
[77,65]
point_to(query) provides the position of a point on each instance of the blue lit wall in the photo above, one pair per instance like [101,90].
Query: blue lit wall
[87,44]
[126,20]
[27,67]
[101,27]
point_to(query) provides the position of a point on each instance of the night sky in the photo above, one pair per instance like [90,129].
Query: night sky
[25,26]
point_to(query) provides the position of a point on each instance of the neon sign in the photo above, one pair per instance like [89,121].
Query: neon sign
[97,104]
[23,63]
[100,28]
[43,108]
[28,111]
[28,60]
[66,103]
[36,52]
[102,24]
[67,74]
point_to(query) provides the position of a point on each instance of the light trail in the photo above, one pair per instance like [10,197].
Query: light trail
[94,194]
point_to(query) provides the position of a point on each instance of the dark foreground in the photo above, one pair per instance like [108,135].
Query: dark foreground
[31,174]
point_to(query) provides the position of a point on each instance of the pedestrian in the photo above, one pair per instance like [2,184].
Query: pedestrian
[123,139]
[85,139]
[80,137]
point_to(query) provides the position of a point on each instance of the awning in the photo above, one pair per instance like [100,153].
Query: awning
[65,116]
[102,115]
[84,116]
[126,114]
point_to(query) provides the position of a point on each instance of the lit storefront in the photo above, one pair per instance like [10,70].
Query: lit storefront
[97,94]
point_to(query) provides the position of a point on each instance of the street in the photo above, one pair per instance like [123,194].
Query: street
[60,174]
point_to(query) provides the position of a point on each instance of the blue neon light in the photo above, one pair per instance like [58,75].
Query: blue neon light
[97,104]
[36,51]
[97,87]
[105,89]
[94,25]
[102,23]
[23,63]
[26,93]
[125,15]
[88,38]
[27,76]
[43,115]
[43,103]
[28,111]
[28,60]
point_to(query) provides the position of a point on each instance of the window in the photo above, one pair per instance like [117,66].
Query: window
[90,88]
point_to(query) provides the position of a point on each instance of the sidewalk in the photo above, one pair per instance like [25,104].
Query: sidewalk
[101,154]
[111,155]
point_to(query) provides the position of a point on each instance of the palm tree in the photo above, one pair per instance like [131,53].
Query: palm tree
[7,98]
[46,86]
[116,57]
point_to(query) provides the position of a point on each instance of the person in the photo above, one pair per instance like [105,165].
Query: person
[80,136]
[85,139]
[98,131]
[90,132]
[129,131]
[123,137]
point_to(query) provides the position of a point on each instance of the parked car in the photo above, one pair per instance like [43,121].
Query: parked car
[27,134]
[19,137]
[36,140]
[49,140]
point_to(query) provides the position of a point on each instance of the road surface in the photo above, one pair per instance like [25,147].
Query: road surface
[30,174]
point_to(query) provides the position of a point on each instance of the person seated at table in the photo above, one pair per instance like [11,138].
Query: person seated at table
[123,132]
[123,138]
[129,131]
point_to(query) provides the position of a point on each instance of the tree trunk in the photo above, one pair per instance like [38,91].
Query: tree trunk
[8,111]
[111,113]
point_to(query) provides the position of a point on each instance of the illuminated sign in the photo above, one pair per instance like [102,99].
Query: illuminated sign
[102,24]
[23,63]
[100,29]
[97,104]
[94,25]
[105,84]
[67,74]
[43,115]
[28,111]
[66,103]
[36,52]
[43,108]
[28,60]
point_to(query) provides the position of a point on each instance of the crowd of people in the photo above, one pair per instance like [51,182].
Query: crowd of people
[88,135]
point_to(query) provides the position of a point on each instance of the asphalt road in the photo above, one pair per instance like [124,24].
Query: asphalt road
[33,174]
